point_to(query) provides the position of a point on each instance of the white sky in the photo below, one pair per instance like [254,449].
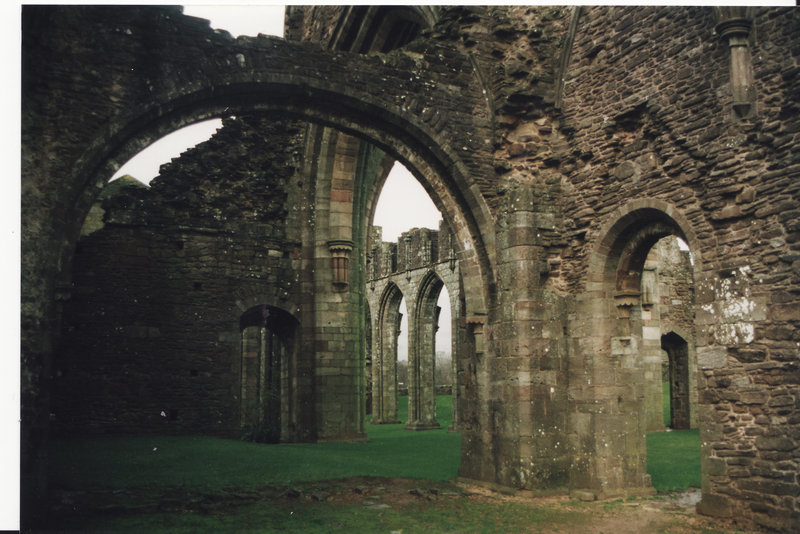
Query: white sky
[241,19]
[404,204]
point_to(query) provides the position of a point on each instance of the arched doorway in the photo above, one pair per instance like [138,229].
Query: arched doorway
[266,379]
[667,306]
[677,350]
[614,334]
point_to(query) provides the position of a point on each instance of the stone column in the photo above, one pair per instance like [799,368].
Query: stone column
[421,366]
[456,333]
[651,350]
[384,385]
[339,362]
[529,412]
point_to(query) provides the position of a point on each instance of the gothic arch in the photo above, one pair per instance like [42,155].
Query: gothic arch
[621,238]
[427,152]
[384,361]
[423,324]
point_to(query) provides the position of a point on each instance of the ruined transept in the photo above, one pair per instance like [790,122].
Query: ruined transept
[619,189]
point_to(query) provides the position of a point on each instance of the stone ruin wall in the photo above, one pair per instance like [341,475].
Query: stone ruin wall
[640,109]
[418,248]
[162,276]
[675,289]
[647,110]
[407,264]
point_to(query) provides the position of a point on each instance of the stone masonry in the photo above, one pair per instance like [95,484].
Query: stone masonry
[417,267]
[560,144]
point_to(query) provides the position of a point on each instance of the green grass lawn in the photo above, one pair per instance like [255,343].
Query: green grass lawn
[673,459]
[665,406]
[155,467]
[207,463]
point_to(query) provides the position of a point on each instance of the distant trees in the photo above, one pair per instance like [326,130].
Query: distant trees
[444,370]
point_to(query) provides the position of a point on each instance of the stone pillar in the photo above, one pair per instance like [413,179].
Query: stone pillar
[455,344]
[421,362]
[384,382]
[339,361]
[651,350]
[528,413]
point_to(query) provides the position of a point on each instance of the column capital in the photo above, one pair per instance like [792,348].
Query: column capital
[733,21]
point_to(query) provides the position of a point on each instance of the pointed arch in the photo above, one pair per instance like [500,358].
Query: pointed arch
[384,364]
[422,326]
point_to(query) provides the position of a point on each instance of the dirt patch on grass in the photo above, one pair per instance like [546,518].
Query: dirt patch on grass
[674,513]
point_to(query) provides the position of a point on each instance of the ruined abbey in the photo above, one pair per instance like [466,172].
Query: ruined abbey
[620,191]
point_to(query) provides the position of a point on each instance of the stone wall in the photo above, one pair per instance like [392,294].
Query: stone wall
[675,290]
[648,110]
[162,277]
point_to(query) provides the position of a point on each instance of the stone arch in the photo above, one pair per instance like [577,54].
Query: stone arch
[434,135]
[427,152]
[384,363]
[622,239]
[247,300]
[422,326]
[607,371]
[268,403]
[430,259]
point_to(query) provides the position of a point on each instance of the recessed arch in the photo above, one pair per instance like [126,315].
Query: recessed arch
[268,403]
[623,240]
[611,455]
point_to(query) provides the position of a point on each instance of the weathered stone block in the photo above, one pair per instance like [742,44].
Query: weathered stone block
[713,357]
[775,443]
[715,466]
[624,346]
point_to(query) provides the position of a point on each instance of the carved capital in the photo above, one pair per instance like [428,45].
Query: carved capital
[625,300]
[734,27]
[340,250]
